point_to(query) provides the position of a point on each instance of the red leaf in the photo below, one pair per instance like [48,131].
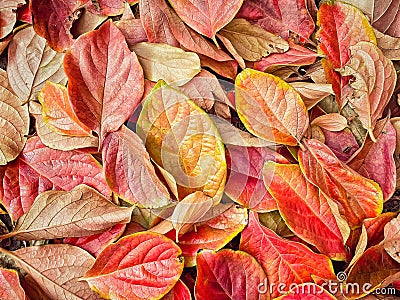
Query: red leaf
[375,228]
[342,143]
[179,292]
[53,20]
[228,274]
[280,17]
[245,184]
[283,261]
[10,287]
[105,85]
[307,291]
[341,26]
[297,198]
[107,7]
[140,266]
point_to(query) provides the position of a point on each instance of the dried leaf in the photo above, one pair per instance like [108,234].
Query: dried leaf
[57,269]
[283,261]
[10,287]
[182,139]
[332,122]
[375,78]
[86,22]
[8,16]
[227,69]
[147,266]
[80,212]
[53,20]
[107,7]
[251,41]
[179,292]
[206,17]
[171,64]
[31,62]
[259,98]
[228,274]
[131,28]
[129,172]
[296,198]
[105,86]
[342,143]
[389,45]
[274,221]
[312,93]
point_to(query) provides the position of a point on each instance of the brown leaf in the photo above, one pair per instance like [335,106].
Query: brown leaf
[312,93]
[8,16]
[389,45]
[332,122]
[251,41]
[56,269]
[31,62]
[80,212]
[86,22]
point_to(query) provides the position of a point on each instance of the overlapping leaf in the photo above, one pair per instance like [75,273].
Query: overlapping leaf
[296,199]
[31,63]
[228,274]
[8,16]
[106,84]
[139,266]
[182,139]
[283,261]
[179,292]
[10,287]
[259,98]
[129,172]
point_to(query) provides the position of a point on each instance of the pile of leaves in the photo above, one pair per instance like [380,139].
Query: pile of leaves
[202,149]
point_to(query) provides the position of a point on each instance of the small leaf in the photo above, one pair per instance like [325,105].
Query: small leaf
[171,64]
[129,172]
[228,274]
[80,212]
[332,122]
[30,63]
[14,118]
[53,20]
[56,269]
[106,85]
[312,93]
[259,98]
[283,261]
[251,41]
[10,287]
[297,198]
[206,17]
[140,266]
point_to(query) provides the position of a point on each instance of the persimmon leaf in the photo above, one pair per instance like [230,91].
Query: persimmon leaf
[10,287]
[8,16]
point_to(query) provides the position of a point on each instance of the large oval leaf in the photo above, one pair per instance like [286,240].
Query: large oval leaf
[31,62]
[57,214]
[206,17]
[358,198]
[283,261]
[182,139]
[341,26]
[296,199]
[140,266]
[129,172]
[56,269]
[14,118]
[228,274]
[266,104]
[10,287]
[106,85]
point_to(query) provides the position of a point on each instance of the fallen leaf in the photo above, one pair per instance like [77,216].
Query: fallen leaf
[331,122]
[14,118]
[171,64]
[79,212]
[206,17]
[358,198]
[107,7]
[131,28]
[129,172]
[182,139]
[391,240]
[297,55]
[389,45]
[297,198]
[140,266]
[86,22]
[227,69]
[179,292]
[375,160]
[259,98]
[341,26]
[228,274]
[342,143]
[58,113]
[245,184]
[106,85]
[284,18]
[274,221]
[10,287]
[283,261]
[189,210]
[56,269]
[312,93]
[375,227]
[8,17]
[231,49]
[251,41]
[30,63]
[53,20]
